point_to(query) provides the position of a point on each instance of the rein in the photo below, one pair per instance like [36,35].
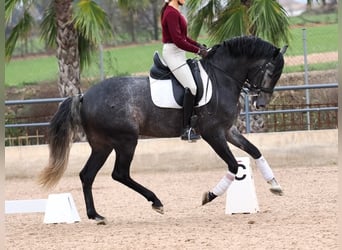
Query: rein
[171,71]
[246,83]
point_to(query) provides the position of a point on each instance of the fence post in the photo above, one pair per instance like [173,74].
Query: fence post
[306,78]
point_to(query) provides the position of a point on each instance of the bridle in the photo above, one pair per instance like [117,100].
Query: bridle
[266,69]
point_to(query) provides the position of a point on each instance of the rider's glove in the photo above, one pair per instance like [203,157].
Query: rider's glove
[202,52]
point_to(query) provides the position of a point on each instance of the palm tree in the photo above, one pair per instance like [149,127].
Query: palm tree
[225,19]
[74,28]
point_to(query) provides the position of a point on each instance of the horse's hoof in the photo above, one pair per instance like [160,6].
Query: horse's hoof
[205,198]
[276,188]
[208,197]
[158,209]
[277,191]
[101,220]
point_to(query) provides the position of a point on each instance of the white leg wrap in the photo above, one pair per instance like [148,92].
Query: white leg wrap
[223,184]
[264,168]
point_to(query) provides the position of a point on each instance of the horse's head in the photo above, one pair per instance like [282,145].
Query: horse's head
[263,78]
[249,62]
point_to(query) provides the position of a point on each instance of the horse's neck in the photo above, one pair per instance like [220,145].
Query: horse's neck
[229,76]
[226,86]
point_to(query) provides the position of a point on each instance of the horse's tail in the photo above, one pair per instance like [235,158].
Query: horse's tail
[62,127]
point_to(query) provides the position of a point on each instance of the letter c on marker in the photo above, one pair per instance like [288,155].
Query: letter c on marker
[243,176]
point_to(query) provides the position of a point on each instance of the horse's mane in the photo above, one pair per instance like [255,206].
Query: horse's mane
[249,46]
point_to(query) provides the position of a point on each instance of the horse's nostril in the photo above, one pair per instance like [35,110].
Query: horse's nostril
[260,106]
[260,102]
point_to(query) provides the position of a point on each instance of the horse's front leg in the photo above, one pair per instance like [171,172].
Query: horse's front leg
[217,140]
[237,139]
[121,173]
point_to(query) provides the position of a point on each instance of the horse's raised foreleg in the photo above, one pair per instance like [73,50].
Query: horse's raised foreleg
[121,173]
[217,140]
[87,176]
[237,139]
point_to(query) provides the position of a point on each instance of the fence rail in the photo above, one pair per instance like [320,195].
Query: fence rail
[246,112]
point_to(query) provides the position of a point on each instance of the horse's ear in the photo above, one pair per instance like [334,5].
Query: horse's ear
[283,50]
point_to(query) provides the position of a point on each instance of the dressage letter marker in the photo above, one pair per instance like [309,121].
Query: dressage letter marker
[60,208]
[241,195]
[25,206]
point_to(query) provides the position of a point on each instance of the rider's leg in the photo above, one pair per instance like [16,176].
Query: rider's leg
[175,58]
[188,108]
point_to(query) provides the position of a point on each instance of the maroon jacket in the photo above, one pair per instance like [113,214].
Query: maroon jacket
[174,30]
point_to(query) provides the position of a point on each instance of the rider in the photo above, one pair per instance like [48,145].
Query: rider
[175,44]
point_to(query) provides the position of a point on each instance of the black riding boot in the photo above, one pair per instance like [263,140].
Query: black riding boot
[189,133]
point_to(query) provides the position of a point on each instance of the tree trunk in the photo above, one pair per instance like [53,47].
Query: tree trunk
[155,20]
[67,50]
[132,26]
[309,5]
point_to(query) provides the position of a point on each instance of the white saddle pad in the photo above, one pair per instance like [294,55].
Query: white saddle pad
[162,93]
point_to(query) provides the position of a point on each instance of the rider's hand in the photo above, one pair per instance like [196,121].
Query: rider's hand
[202,46]
[203,52]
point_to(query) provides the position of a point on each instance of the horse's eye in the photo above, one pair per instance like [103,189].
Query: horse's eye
[270,67]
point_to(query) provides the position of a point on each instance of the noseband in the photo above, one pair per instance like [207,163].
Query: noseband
[265,69]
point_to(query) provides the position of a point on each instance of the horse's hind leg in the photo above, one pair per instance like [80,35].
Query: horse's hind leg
[237,139]
[87,176]
[121,173]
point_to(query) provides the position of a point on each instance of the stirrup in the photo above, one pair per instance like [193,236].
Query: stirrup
[190,135]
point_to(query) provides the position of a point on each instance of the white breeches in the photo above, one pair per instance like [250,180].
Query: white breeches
[175,58]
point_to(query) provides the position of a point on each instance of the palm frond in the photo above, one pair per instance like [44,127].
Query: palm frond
[48,26]
[268,18]
[233,21]
[19,31]
[10,5]
[202,13]
[226,19]
[86,50]
[91,21]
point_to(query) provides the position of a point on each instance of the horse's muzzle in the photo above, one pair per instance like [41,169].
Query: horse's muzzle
[260,102]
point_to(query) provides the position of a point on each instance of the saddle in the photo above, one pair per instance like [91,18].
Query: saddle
[160,71]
